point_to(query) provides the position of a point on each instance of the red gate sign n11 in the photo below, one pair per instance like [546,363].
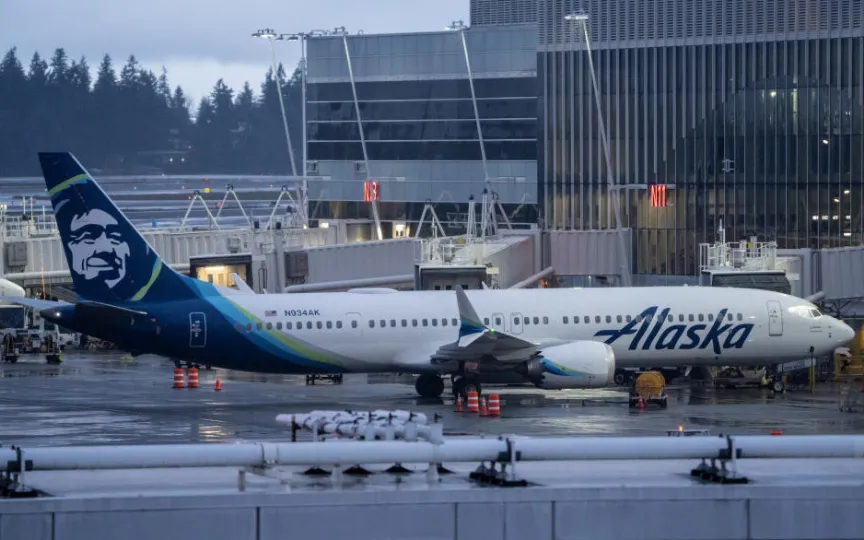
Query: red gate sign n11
[658,195]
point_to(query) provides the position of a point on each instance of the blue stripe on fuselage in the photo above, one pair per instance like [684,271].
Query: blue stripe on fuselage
[262,339]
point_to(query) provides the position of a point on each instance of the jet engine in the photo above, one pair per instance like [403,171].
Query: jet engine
[581,364]
[7,288]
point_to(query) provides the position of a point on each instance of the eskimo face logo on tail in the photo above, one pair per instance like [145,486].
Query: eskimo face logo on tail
[97,248]
[107,258]
[650,331]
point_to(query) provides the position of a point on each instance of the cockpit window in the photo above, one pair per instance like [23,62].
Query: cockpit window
[806,312]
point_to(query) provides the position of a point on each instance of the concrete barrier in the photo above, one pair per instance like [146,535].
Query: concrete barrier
[590,512]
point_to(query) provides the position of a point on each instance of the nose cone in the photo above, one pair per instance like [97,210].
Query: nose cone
[844,332]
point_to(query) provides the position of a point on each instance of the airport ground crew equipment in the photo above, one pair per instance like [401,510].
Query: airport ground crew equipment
[11,351]
[312,379]
[52,350]
[852,398]
[649,389]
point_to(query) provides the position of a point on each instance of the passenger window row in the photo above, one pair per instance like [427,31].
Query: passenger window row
[700,317]
[298,325]
[414,322]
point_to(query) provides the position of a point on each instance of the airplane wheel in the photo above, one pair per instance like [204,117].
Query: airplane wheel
[471,384]
[463,385]
[620,377]
[429,386]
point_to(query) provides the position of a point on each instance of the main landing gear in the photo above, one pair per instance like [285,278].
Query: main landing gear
[432,386]
[429,386]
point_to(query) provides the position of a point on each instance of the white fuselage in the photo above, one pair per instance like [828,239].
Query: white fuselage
[380,330]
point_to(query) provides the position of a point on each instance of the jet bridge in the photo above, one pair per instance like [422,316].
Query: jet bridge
[747,264]
[490,254]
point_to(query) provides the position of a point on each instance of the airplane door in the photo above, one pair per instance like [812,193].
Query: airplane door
[497,322]
[352,321]
[516,323]
[775,318]
[197,330]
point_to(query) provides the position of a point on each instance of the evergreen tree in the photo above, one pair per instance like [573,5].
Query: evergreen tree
[134,122]
[15,101]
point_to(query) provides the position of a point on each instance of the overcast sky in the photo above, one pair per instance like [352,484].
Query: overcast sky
[199,41]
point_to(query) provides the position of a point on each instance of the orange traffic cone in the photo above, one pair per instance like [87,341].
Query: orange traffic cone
[193,378]
[178,378]
[458,403]
[483,410]
[494,405]
[473,403]
[218,385]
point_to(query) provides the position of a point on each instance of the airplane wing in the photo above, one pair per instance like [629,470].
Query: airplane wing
[477,340]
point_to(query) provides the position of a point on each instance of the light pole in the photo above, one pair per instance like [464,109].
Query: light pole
[459,26]
[269,34]
[582,20]
[301,37]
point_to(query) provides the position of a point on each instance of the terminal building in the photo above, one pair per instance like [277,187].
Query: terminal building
[420,110]
[745,111]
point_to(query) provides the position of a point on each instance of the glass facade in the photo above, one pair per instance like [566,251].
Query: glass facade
[424,120]
[749,112]
[502,12]
[414,99]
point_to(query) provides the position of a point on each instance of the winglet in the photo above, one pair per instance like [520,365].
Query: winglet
[241,285]
[470,323]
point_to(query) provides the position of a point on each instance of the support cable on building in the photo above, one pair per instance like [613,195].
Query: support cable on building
[373,201]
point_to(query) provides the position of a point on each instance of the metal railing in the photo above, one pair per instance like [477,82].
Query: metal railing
[739,256]
[722,451]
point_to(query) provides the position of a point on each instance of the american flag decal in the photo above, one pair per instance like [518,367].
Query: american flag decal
[270,313]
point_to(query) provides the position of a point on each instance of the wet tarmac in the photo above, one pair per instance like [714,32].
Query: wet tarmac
[103,399]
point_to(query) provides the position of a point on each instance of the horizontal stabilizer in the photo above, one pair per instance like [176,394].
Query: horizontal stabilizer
[108,308]
[31,302]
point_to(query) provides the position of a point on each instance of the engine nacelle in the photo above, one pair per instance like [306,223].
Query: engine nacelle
[7,288]
[581,364]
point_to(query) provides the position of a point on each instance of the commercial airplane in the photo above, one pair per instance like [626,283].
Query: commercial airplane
[553,338]
[7,288]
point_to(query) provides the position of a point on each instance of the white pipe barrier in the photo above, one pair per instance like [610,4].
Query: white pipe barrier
[453,451]
[254,454]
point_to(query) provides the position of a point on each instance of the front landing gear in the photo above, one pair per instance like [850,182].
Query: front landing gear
[429,386]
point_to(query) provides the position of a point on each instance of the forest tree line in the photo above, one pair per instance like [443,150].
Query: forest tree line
[135,122]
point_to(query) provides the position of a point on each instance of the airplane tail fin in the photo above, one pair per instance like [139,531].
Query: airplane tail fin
[108,259]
